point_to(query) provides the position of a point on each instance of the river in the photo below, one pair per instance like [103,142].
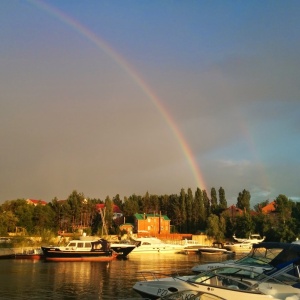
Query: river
[28,279]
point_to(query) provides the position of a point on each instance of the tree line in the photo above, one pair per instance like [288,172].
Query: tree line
[189,212]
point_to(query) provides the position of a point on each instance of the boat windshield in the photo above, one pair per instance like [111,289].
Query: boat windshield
[259,257]
[227,277]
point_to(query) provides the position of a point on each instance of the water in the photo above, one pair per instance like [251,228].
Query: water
[26,279]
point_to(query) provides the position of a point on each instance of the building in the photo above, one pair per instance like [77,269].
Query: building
[152,224]
[269,208]
[117,213]
[36,202]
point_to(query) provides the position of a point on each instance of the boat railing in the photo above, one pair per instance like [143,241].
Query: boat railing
[152,275]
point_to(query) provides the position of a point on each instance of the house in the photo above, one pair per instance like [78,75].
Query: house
[36,202]
[233,211]
[127,226]
[269,208]
[117,213]
[152,224]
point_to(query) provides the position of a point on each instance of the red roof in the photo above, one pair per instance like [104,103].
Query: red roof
[116,208]
[36,202]
[269,208]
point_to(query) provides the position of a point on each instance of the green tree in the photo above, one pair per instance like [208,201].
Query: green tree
[8,222]
[183,209]
[117,201]
[243,201]
[189,210]
[199,211]
[213,200]
[216,227]
[206,203]
[222,199]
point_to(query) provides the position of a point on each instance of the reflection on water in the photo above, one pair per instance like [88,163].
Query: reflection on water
[25,279]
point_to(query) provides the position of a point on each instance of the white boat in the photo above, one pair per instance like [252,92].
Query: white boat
[227,283]
[239,247]
[253,238]
[216,248]
[155,245]
[264,256]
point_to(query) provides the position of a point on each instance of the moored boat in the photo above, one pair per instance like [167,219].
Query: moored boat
[263,256]
[253,238]
[80,250]
[34,254]
[226,282]
[216,248]
[239,248]
[155,245]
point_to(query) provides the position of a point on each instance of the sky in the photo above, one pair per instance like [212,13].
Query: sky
[129,97]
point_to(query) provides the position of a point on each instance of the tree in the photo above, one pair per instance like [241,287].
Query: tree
[222,199]
[183,209]
[213,200]
[199,211]
[108,213]
[243,201]
[8,222]
[189,210]
[206,204]
[117,201]
[283,207]
[216,227]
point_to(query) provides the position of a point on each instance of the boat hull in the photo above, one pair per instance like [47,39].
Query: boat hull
[55,254]
[122,250]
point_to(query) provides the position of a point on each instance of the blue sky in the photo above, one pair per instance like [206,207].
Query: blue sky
[72,118]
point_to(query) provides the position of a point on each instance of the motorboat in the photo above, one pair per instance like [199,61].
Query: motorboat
[229,282]
[29,253]
[80,250]
[253,238]
[263,256]
[216,248]
[239,247]
[155,245]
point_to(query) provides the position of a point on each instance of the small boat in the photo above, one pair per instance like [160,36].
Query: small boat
[216,248]
[239,248]
[34,254]
[253,238]
[80,250]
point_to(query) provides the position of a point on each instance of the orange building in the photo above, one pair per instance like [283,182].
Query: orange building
[152,224]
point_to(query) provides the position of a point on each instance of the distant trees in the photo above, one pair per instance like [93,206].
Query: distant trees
[188,212]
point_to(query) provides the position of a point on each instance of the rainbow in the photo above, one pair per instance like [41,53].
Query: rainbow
[114,55]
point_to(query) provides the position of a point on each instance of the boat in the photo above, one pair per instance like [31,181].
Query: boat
[263,256]
[155,245]
[229,282]
[216,248]
[239,247]
[31,253]
[253,238]
[80,250]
